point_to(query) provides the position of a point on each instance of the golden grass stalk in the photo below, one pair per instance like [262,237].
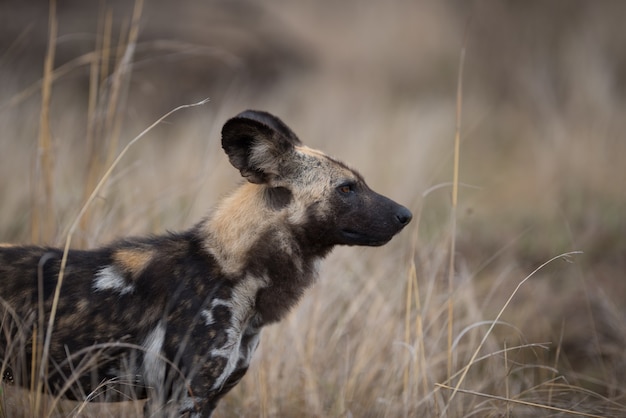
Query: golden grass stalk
[97,74]
[455,198]
[42,223]
[418,356]
[407,325]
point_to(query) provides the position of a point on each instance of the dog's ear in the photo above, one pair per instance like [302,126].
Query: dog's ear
[256,142]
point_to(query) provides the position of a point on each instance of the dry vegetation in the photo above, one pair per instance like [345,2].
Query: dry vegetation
[391,331]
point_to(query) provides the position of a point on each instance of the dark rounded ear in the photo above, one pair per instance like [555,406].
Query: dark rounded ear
[255,143]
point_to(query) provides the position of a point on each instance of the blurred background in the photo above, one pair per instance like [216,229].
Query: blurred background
[374,84]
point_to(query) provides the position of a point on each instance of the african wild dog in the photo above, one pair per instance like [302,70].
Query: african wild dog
[179,315]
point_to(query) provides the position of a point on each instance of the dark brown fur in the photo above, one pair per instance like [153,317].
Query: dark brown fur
[179,315]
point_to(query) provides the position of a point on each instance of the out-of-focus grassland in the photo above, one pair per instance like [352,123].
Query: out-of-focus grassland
[373,83]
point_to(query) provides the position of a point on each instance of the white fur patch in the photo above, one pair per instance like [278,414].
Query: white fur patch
[221,302]
[231,352]
[153,364]
[109,278]
[208,317]
[241,305]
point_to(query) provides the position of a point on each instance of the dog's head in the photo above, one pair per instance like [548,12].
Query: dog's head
[325,201]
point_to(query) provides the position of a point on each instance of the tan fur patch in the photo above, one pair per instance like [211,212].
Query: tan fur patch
[237,224]
[310,151]
[6,245]
[133,260]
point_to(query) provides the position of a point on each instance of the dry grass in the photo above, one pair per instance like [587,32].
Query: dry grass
[409,329]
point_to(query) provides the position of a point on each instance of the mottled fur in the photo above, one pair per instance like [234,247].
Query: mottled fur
[178,316]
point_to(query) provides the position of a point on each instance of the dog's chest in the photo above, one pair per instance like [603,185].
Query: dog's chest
[219,340]
[233,334]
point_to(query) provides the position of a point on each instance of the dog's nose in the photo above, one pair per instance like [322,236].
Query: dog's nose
[404,216]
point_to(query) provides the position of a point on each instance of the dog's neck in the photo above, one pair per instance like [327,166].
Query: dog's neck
[247,234]
[252,224]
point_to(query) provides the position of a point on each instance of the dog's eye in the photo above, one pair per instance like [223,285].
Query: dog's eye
[346,188]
